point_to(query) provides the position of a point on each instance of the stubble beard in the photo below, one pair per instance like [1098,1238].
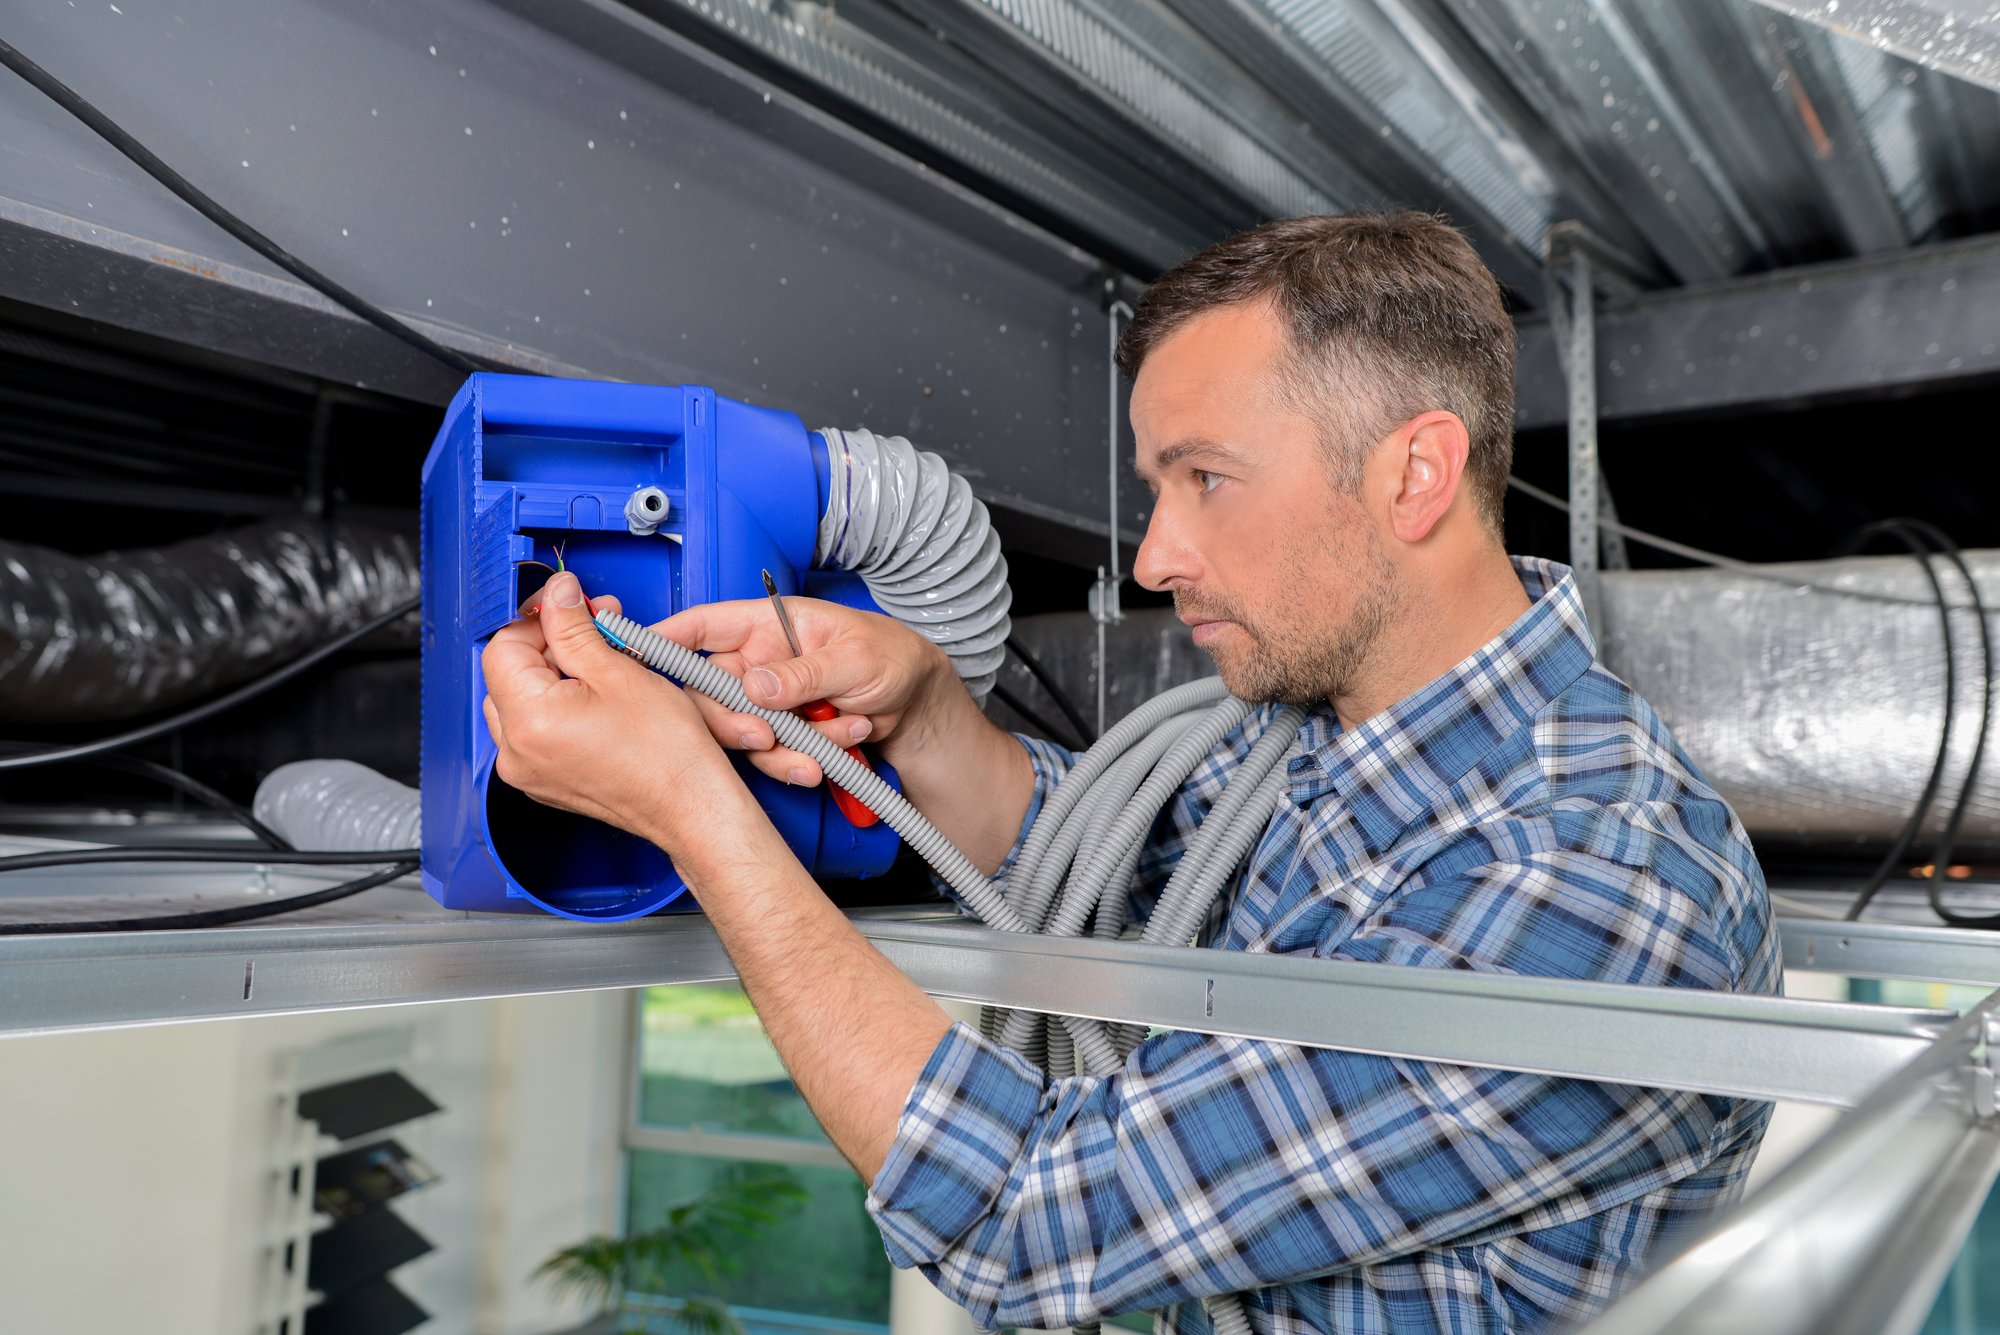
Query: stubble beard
[1294,657]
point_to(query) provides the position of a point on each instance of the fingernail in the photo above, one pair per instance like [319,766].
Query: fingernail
[762,682]
[859,729]
[564,591]
[797,776]
[749,740]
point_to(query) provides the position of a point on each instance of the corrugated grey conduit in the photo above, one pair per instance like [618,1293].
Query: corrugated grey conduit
[1103,808]
[924,545]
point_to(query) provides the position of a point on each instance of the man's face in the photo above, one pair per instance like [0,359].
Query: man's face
[1282,575]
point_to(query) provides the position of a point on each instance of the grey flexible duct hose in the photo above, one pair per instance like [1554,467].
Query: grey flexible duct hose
[925,547]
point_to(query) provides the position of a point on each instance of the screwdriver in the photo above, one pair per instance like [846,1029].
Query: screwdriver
[858,815]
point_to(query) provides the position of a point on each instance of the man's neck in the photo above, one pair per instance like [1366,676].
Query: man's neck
[1447,612]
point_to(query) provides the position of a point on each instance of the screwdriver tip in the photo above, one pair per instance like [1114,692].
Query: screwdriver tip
[770,585]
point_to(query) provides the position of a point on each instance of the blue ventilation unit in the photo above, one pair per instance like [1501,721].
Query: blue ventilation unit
[524,465]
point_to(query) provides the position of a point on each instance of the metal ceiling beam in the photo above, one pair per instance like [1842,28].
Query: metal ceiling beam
[1853,329]
[1068,53]
[871,64]
[1305,62]
[1582,68]
[557,186]
[1960,37]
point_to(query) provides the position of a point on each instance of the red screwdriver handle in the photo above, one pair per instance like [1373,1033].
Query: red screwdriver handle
[858,815]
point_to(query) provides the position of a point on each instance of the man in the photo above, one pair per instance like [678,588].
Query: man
[1322,408]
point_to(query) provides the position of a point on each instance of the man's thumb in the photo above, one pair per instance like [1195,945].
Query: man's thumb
[785,684]
[573,637]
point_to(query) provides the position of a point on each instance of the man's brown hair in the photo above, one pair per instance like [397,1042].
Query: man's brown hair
[1389,315]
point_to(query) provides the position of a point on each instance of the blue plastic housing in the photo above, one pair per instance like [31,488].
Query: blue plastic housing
[523,465]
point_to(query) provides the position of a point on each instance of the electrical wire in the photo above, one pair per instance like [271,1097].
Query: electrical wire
[268,908]
[196,789]
[1941,858]
[1899,850]
[1721,562]
[303,857]
[27,758]
[108,130]
[1041,724]
[1055,690]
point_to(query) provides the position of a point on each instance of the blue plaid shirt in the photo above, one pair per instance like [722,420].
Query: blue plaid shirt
[1525,813]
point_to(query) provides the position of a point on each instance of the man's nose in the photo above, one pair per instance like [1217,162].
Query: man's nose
[1165,559]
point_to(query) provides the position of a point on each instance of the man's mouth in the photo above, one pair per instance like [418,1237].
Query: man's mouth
[1203,628]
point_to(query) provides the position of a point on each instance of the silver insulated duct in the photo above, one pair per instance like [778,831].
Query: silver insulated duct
[1816,713]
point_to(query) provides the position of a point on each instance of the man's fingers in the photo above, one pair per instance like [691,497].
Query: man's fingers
[787,766]
[492,712]
[737,732]
[514,666]
[719,627]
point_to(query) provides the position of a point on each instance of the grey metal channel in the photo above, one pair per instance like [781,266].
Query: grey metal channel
[1891,950]
[1758,1047]
[1856,1234]
[562,186]
[1928,317]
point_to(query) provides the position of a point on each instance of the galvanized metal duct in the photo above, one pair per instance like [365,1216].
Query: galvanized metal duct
[1816,714]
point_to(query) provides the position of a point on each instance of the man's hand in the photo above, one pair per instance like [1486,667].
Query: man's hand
[582,727]
[889,683]
[892,686]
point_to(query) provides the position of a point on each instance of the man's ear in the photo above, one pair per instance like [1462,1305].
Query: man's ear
[1432,450]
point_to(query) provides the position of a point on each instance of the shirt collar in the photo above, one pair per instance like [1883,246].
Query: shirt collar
[1396,766]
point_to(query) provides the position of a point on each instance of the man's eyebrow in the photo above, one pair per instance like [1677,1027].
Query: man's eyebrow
[1205,451]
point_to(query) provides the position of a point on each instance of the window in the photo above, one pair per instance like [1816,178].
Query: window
[711,1106]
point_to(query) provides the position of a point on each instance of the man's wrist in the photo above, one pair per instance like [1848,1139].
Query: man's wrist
[937,718]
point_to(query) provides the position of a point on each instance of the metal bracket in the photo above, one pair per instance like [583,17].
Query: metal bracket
[1570,284]
[1104,602]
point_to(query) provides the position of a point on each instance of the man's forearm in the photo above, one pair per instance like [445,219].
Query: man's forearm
[853,1031]
[970,779]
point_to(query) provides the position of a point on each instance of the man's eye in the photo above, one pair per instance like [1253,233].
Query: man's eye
[1206,480]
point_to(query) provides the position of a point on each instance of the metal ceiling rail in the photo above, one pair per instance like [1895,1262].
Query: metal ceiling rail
[1747,1046]
[1760,1047]
[1855,1236]
[1891,950]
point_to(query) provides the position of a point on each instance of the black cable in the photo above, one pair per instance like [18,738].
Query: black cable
[248,691]
[268,908]
[1899,850]
[303,857]
[76,105]
[1056,692]
[1047,729]
[1942,857]
[196,789]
